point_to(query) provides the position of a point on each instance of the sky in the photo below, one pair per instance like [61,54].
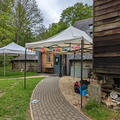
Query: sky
[52,9]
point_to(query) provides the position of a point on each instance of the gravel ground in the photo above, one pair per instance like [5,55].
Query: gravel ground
[66,85]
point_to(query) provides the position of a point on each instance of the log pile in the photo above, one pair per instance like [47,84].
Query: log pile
[110,96]
[107,87]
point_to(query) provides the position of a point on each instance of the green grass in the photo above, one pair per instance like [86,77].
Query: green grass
[100,112]
[15,102]
[13,74]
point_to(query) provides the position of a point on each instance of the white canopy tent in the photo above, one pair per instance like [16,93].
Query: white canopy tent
[14,49]
[69,36]
[66,38]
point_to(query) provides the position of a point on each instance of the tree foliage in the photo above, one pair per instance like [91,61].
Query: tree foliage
[68,17]
[20,21]
[7,29]
[28,21]
[77,12]
[53,29]
[34,17]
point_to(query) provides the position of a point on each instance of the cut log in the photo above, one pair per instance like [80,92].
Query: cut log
[104,95]
[106,90]
[109,102]
[108,86]
[117,89]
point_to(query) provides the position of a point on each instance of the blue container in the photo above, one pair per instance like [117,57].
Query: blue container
[83,91]
[84,87]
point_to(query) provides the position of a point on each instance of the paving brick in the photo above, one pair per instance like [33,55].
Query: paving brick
[52,104]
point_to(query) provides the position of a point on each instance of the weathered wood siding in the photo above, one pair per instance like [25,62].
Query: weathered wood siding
[47,66]
[107,36]
[31,66]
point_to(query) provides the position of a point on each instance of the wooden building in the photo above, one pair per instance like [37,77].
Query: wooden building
[18,63]
[85,25]
[47,60]
[50,63]
[74,65]
[107,38]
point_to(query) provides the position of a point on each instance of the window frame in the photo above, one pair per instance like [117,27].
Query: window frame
[48,58]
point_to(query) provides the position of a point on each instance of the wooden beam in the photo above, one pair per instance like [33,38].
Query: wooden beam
[107,54]
[107,26]
[107,5]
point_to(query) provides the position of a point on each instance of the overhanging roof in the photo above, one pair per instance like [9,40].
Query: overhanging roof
[28,58]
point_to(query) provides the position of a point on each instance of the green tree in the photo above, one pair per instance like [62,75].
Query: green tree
[77,12]
[7,28]
[28,21]
[57,27]
[68,17]
[34,17]
[53,29]
[20,21]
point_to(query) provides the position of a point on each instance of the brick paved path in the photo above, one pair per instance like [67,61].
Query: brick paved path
[52,105]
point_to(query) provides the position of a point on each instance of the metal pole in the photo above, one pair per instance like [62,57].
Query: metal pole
[82,47]
[74,65]
[25,70]
[4,64]
[60,72]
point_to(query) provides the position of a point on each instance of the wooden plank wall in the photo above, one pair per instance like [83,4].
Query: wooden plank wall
[47,67]
[107,36]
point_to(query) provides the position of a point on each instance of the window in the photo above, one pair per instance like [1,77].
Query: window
[91,27]
[91,34]
[48,58]
[56,60]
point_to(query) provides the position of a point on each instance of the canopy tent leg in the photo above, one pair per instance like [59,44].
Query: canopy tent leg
[60,72]
[25,70]
[4,65]
[82,47]
[74,67]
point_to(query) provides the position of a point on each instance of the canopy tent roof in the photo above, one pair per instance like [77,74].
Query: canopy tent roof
[15,49]
[70,36]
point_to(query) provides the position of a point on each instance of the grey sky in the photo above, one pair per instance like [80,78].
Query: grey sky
[52,9]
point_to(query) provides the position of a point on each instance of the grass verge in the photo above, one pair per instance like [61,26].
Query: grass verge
[15,102]
[100,112]
[13,74]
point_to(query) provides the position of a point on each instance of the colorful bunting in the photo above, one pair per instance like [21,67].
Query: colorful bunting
[66,49]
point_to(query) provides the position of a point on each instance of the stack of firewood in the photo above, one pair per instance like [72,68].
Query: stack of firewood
[110,96]
[107,87]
